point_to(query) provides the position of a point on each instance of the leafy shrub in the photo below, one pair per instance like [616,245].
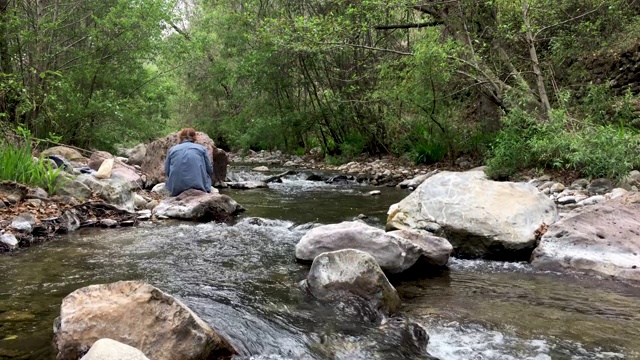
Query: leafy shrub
[594,150]
[353,146]
[429,152]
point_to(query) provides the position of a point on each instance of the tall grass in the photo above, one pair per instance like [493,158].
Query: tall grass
[17,164]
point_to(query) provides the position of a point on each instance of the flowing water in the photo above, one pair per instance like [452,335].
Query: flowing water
[242,279]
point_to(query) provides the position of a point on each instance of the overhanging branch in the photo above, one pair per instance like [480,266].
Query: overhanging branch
[409,26]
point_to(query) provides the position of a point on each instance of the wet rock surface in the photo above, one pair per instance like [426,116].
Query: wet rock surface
[136,314]
[337,275]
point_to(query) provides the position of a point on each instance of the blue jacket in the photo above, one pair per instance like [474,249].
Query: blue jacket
[188,167]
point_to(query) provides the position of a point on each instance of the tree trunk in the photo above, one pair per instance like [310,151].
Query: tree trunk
[5,64]
[535,63]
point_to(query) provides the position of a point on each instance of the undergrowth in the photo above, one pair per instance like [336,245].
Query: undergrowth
[17,164]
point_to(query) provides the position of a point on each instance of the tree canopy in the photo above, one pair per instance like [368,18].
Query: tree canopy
[427,80]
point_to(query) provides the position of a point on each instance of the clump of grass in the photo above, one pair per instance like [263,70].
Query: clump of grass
[17,164]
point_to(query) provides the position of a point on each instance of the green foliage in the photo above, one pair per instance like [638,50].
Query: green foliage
[17,164]
[85,76]
[594,150]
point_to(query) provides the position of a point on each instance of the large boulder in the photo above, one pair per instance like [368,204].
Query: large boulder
[136,314]
[199,206]
[65,152]
[480,217]
[601,239]
[107,349]
[117,190]
[156,154]
[393,252]
[337,275]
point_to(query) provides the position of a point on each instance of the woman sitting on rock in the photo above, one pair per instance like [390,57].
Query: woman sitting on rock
[187,165]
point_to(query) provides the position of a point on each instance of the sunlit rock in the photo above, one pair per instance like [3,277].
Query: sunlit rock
[8,242]
[107,349]
[602,239]
[136,314]
[66,152]
[127,172]
[479,217]
[393,252]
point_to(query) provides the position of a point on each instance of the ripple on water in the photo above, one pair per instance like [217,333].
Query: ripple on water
[471,341]
[242,279]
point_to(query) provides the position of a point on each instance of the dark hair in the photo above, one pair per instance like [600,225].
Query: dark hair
[188,134]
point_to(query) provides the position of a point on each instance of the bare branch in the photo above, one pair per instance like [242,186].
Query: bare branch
[178,30]
[409,26]
[369,48]
[566,21]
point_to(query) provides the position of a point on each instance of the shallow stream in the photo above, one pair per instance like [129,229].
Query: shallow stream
[242,279]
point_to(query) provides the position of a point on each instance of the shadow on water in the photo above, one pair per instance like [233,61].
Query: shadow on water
[243,280]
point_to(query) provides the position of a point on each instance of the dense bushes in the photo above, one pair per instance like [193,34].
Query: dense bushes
[589,146]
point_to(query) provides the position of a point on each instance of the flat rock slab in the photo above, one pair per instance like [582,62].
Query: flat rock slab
[600,239]
[198,205]
[479,217]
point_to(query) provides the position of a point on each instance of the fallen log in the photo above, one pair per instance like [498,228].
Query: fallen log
[277,177]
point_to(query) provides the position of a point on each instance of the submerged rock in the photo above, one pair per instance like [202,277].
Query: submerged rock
[602,239]
[393,252]
[107,349]
[136,314]
[199,206]
[337,275]
[247,185]
[479,217]
[395,338]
